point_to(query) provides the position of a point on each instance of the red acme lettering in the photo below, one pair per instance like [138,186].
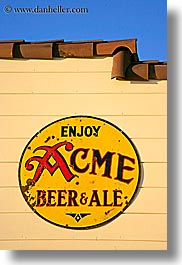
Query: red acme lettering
[60,162]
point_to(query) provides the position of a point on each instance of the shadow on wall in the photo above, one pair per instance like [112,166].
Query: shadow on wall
[155,82]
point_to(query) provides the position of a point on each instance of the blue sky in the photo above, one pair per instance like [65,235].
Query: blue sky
[106,19]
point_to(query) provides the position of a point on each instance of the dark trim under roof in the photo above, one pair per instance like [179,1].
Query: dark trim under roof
[126,64]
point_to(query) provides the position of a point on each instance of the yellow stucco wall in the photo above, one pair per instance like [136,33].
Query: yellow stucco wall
[34,93]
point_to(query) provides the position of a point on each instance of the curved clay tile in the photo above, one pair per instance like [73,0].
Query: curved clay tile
[126,64]
[6,50]
[36,51]
[121,61]
[108,48]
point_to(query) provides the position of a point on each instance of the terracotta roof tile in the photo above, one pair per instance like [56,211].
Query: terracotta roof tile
[158,71]
[6,50]
[126,64]
[151,61]
[12,41]
[47,41]
[138,72]
[121,61]
[108,48]
[88,41]
[80,50]
[36,51]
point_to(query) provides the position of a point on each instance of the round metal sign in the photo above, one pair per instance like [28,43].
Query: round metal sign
[79,172]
